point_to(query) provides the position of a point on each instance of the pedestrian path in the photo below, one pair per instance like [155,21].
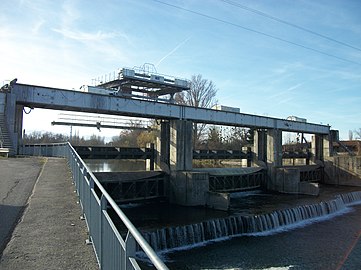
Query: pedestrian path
[50,234]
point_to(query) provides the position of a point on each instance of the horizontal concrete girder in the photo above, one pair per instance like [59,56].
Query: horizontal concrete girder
[60,99]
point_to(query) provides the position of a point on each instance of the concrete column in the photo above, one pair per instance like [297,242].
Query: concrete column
[321,148]
[274,159]
[181,148]
[14,120]
[260,149]
[316,148]
[162,147]
[19,123]
[327,146]
[274,147]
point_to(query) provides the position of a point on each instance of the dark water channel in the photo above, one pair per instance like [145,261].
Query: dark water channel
[331,243]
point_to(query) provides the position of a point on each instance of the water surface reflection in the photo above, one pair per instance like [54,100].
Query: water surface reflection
[115,165]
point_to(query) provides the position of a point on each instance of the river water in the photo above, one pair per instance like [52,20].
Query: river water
[328,243]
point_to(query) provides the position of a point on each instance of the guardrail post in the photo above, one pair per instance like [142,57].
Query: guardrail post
[130,249]
[88,206]
[103,206]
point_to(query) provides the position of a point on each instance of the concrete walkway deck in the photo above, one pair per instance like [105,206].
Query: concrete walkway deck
[50,234]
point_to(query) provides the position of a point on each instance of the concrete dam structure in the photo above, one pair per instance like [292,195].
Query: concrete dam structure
[173,152]
[172,174]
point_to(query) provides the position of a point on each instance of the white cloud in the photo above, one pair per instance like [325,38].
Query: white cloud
[84,36]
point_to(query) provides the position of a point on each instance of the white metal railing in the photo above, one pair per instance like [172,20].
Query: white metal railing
[111,249]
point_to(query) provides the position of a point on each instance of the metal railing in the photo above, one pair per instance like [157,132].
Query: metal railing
[111,249]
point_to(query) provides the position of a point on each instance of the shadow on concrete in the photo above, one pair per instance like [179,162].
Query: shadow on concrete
[344,172]
[9,218]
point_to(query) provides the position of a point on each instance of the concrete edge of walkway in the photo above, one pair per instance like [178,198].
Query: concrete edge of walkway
[50,233]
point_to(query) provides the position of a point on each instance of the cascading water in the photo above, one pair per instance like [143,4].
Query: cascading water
[351,198]
[197,234]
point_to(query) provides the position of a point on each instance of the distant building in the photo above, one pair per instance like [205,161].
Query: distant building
[353,146]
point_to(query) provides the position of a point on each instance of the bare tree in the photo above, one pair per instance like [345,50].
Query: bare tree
[358,133]
[202,93]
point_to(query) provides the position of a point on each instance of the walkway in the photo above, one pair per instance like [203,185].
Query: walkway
[50,234]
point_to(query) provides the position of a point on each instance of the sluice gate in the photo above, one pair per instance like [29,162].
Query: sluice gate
[312,173]
[126,187]
[111,152]
[235,179]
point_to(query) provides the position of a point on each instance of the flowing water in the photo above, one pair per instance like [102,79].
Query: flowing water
[262,230]
[328,245]
[180,237]
[322,235]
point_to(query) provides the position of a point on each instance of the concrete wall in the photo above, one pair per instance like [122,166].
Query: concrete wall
[343,170]
[288,181]
[189,188]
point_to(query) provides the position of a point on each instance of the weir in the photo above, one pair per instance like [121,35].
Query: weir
[180,237]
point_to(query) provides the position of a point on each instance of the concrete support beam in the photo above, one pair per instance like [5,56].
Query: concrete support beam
[181,148]
[260,149]
[321,149]
[274,157]
[51,98]
[19,123]
[327,147]
[189,188]
[274,147]
[162,147]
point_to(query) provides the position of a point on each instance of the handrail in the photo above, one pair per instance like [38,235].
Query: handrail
[71,153]
[136,234]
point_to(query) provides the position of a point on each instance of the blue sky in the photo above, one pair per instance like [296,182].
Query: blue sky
[67,43]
